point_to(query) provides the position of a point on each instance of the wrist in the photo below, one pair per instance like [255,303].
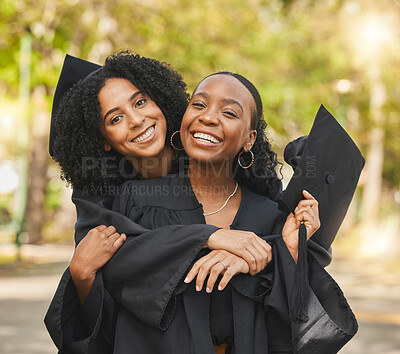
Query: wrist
[292,246]
[293,252]
[83,281]
[81,274]
[211,239]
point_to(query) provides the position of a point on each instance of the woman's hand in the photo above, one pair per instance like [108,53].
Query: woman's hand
[306,211]
[94,251]
[245,244]
[213,264]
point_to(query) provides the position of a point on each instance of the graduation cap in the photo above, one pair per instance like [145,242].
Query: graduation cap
[327,164]
[73,70]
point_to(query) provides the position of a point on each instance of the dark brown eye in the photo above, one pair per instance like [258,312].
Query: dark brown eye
[140,102]
[116,119]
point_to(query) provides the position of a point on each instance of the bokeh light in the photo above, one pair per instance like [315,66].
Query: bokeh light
[9,179]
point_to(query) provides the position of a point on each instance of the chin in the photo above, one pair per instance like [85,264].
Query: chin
[202,158]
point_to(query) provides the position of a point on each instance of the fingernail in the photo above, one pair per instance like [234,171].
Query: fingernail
[186,280]
[219,287]
[208,290]
[306,192]
[296,209]
[197,288]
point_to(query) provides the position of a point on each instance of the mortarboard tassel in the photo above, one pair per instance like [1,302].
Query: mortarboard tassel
[299,311]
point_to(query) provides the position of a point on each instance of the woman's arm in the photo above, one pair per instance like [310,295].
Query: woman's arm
[144,266]
[93,252]
[228,264]
[218,262]
[245,244]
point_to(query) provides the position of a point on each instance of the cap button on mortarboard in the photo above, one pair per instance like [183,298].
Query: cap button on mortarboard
[329,179]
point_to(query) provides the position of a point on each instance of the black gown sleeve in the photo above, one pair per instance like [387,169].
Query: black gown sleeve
[144,274]
[89,328]
[153,260]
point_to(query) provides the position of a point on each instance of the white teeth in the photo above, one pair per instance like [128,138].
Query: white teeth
[145,135]
[206,137]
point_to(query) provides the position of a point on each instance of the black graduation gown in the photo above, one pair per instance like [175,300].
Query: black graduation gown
[145,278]
[242,313]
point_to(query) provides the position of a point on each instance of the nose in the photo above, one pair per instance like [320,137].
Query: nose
[135,120]
[209,117]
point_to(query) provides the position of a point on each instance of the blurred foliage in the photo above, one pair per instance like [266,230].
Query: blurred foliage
[53,193]
[293,51]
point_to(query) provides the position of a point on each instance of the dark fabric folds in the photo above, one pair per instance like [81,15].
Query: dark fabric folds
[331,322]
[66,319]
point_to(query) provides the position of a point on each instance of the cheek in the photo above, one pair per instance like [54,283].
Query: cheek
[158,114]
[185,123]
[239,136]
[163,127]
[104,133]
[112,135]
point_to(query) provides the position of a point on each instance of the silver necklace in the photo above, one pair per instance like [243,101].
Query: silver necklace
[226,202]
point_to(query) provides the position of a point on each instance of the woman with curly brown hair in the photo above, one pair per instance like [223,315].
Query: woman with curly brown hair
[83,129]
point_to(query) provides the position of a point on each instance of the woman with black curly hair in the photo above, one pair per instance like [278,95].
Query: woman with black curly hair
[113,124]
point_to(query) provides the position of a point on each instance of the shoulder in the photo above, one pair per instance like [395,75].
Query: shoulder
[170,192]
[255,200]
[258,213]
[103,196]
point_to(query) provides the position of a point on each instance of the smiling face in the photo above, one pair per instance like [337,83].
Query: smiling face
[132,123]
[216,124]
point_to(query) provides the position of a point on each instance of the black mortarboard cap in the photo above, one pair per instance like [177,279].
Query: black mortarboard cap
[73,70]
[327,164]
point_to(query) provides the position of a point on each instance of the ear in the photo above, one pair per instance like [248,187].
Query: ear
[250,141]
[107,147]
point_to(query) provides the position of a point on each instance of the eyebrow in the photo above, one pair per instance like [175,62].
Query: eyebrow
[112,110]
[230,100]
[227,100]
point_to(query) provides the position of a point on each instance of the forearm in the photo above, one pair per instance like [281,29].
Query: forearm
[151,261]
[83,282]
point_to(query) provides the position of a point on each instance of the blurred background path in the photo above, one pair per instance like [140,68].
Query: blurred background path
[25,293]
[373,291]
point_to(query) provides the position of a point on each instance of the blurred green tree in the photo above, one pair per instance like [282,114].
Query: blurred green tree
[296,52]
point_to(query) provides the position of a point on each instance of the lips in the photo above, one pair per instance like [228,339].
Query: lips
[145,135]
[206,137]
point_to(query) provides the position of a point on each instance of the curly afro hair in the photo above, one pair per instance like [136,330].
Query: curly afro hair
[79,146]
[261,177]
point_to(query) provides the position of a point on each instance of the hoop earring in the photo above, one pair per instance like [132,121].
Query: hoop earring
[172,144]
[252,159]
